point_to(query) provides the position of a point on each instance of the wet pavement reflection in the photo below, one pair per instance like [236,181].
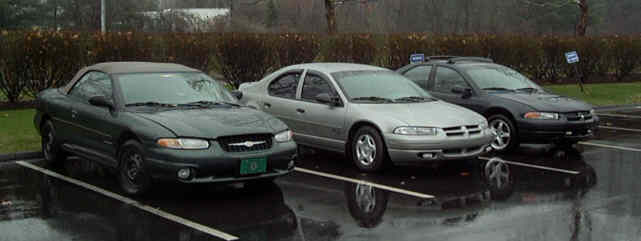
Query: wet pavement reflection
[541,193]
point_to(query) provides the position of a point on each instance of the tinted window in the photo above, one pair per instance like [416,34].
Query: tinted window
[314,85]
[383,84]
[172,88]
[446,79]
[285,86]
[419,75]
[498,76]
[92,84]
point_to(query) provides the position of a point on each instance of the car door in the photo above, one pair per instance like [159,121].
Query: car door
[95,124]
[280,99]
[419,74]
[324,124]
[444,80]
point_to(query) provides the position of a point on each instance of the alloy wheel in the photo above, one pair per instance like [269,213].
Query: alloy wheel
[366,149]
[503,134]
[497,173]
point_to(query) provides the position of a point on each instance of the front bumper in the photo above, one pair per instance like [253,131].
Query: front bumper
[216,165]
[410,149]
[546,131]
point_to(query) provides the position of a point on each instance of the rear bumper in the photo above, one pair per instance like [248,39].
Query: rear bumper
[215,165]
[402,150]
[543,131]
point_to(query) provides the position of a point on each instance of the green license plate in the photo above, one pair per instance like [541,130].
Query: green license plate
[253,166]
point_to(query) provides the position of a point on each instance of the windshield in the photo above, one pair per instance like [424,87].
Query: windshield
[172,88]
[377,86]
[498,77]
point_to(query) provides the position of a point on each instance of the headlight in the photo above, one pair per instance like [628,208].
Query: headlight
[592,112]
[284,136]
[541,116]
[416,131]
[183,143]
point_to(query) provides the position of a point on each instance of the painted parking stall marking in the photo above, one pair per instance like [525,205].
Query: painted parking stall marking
[376,185]
[533,166]
[622,148]
[157,212]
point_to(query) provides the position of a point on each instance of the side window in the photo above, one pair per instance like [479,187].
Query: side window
[446,79]
[93,84]
[285,86]
[419,75]
[314,85]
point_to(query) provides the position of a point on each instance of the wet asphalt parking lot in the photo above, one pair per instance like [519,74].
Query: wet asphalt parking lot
[539,192]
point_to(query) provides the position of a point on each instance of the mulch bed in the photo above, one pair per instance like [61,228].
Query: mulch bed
[17,105]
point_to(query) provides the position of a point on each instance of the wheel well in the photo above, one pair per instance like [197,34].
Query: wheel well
[354,128]
[124,137]
[44,119]
[496,110]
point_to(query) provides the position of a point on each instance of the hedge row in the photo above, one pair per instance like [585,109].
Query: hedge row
[35,60]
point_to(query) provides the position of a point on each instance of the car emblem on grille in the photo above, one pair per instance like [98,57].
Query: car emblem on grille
[581,116]
[247,143]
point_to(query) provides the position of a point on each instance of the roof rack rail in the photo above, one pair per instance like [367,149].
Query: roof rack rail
[441,57]
[475,59]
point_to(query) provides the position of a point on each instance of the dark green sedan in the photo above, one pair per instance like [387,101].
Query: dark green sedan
[160,121]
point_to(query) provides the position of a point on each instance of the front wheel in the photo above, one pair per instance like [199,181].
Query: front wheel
[133,176]
[51,149]
[368,150]
[507,137]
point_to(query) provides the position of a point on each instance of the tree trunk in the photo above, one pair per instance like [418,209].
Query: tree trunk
[330,14]
[582,26]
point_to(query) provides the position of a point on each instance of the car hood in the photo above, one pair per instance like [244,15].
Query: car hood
[546,102]
[215,122]
[433,114]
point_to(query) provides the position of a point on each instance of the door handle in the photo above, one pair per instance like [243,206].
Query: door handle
[300,111]
[74,114]
[267,105]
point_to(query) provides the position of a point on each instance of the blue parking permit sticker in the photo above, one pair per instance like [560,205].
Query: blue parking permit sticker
[572,57]
[417,58]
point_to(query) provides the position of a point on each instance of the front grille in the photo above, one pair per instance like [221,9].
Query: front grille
[579,116]
[243,143]
[470,130]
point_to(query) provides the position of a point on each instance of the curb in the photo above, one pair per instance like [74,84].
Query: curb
[20,156]
[617,107]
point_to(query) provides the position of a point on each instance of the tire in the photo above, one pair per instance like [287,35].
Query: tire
[507,135]
[368,150]
[132,175]
[51,149]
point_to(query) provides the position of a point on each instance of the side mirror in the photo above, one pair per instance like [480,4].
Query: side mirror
[465,92]
[237,94]
[101,101]
[325,98]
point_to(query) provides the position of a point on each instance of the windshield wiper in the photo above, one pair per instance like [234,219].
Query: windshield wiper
[498,88]
[151,103]
[373,98]
[414,98]
[207,103]
[528,89]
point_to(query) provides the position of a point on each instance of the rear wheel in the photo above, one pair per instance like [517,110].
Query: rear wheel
[368,150]
[133,176]
[507,138]
[51,148]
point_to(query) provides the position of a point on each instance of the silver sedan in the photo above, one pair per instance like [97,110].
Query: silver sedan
[370,114]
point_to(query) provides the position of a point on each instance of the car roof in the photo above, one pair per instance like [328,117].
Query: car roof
[335,67]
[128,67]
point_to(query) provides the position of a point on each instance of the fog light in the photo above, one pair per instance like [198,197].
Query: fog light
[290,165]
[184,173]
[568,133]
[428,155]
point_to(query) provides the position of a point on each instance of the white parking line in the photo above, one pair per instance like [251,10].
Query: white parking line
[623,148]
[535,166]
[619,116]
[158,212]
[620,128]
[376,185]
